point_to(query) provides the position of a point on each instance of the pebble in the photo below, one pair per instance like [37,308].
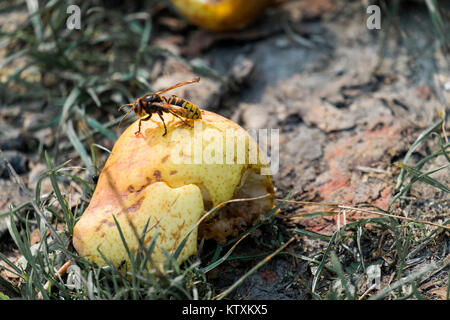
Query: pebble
[11,140]
[34,175]
[18,161]
[282,43]
[17,140]
[254,116]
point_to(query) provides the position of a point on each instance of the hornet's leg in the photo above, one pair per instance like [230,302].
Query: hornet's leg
[165,128]
[140,120]
[184,121]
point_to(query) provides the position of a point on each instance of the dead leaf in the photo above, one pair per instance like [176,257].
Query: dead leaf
[423,92]
[314,9]
[35,237]
[327,117]
[269,275]
[4,269]
[440,292]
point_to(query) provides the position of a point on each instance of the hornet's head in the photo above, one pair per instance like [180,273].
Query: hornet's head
[137,107]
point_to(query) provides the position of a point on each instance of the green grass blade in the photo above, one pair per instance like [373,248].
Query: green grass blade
[359,233]
[424,176]
[11,57]
[443,147]
[33,10]
[101,128]
[415,145]
[312,234]
[14,269]
[224,258]
[79,147]
[69,102]
[340,272]
[125,244]
[56,189]
[322,262]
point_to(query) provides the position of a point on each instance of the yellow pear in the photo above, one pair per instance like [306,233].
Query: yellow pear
[169,182]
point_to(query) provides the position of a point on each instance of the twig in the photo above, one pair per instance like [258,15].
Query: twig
[296,37]
[397,217]
[58,274]
[433,267]
[385,214]
[25,204]
[367,291]
[374,170]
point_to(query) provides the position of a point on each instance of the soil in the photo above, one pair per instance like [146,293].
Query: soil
[345,110]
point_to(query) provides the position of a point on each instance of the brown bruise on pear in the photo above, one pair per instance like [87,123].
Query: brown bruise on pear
[142,182]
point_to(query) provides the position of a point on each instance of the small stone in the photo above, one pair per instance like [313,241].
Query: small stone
[327,117]
[282,43]
[34,175]
[11,194]
[254,116]
[16,139]
[18,161]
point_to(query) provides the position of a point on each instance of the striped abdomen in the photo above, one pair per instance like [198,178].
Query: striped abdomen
[193,110]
